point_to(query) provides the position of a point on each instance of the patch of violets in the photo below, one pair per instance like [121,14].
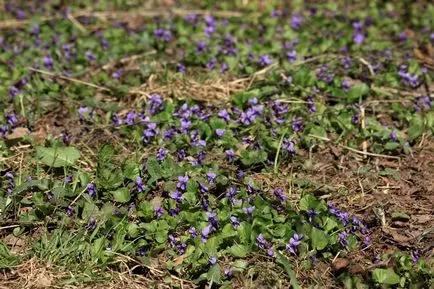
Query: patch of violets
[184,124]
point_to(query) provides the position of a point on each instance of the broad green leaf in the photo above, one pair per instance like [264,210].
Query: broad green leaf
[239,251]
[214,273]
[357,91]
[251,157]
[416,127]
[57,157]
[319,238]
[131,171]
[390,146]
[154,169]
[385,276]
[122,195]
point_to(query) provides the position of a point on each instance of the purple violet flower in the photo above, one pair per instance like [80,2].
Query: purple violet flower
[91,225]
[279,194]
[289,147]
[234,222]
[230,154]
[224,115]
[291,55]
[140,187]
[415,256]
[220,132]
[177,196]
[182,182]
[294,242]
[130,118]
[48,62]
[265,60]
[193,232]
[91,189]
[211,177]
[249,211]
[343,239]
[345,85]
[297,124]
[213,260]
[161,154]
[158,212]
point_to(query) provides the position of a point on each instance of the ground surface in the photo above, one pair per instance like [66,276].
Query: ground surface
[216,145]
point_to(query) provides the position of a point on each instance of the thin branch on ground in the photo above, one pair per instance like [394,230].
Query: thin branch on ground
[44,72]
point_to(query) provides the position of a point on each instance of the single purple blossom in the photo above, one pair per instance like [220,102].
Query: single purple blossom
[297,124]
[158,212]
[311,213]
[140,187]
[296,21]
[220,132]
[211,177]
[291,55]
[234,222]
[90,56]
[193,232]
[224,68]
[68,180]
[182,182]
[393,136]
[177,196]
[91,189]
[265,60]
[289,147]
[224,115]
[294,242]
[70,210]
[161,154]
[205,233]
[181,68]
[249,210]
[213,260]
[279,194]
[91,225]
[345,85]
[343,239]
[48,62]
[230,154]
[415,256]
[130,118]
[12,119]
[355,119]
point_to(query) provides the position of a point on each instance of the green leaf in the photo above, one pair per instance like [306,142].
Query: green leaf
[319,239]
[416,127]
[385,276]
[214,274]
[122,195]
[108,178]
[251,157]
[239,250]
[390,146]
[89,210]
[57,157]
[357,91]
[282,260]
[308,202]
[396,216]
[154,169]
[131,171]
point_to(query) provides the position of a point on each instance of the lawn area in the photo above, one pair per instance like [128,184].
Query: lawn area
[216,144]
